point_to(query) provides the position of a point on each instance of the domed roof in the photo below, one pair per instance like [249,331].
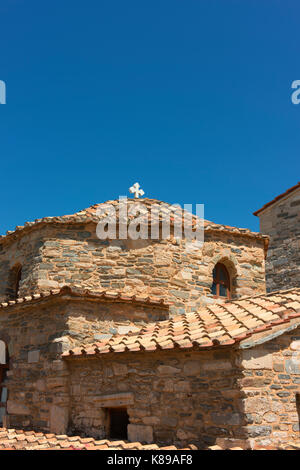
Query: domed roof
[150,209]
[146,209]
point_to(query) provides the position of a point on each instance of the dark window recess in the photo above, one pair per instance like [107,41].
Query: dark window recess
[118,422]
[221,282]
[14,280]
[18,280]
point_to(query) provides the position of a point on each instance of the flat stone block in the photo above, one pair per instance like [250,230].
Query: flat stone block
[257,431]
[231,419]
[227,443]
[257,404]
[292,366]
[140,433]
[54,382]
[58,419]
[256,359]
[191,368]
[217,365]
[119,368]
[15,408]
[33,356]
[44,284]
[167,370]
[116,399]
[295,345]
[151,420]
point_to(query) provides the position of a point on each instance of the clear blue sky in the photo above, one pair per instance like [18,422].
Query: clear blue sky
[190,98]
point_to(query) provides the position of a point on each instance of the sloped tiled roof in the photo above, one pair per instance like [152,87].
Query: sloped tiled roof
[157,209]
[13,439]
[220,324]
[277,198]
[88,294]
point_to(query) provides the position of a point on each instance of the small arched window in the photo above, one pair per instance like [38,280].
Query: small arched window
[221,282]
[14,282]
[18,280]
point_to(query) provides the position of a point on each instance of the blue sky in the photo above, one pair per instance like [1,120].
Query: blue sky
[190,98]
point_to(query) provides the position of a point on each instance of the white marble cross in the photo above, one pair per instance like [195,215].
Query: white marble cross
[135,189]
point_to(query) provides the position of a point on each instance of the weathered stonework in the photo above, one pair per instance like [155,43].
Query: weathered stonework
[240,395]
[37,334]
[56,254]
[236,393]
[270,383]
[281,221]
[229,372]
[177,397]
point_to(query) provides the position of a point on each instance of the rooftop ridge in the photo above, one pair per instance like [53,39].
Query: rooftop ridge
[89,215]
[277,198]
[118,296]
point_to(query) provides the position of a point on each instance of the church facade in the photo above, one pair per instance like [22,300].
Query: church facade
[144,339]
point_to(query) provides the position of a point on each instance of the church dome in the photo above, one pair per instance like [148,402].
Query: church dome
[56,251]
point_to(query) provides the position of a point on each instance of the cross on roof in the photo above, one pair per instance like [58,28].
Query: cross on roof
[135,189]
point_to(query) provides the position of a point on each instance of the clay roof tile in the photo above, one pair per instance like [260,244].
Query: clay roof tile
[277,198]
[215,326]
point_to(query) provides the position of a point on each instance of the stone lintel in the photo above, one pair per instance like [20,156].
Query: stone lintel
[114,400]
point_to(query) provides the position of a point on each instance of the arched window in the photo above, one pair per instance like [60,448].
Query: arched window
[18,280]
[14,282]
[221,282]
[3,389]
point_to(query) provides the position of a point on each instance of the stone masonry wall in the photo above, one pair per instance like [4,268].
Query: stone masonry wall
[26,252]
[36,334]
[281,221]
[58,255]
[271,380]
[36,380]
[171,397]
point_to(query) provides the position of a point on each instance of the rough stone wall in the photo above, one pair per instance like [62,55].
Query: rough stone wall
[26,252]
[37,381]
[271,380]
[281,221]
[72,255]
[171,397]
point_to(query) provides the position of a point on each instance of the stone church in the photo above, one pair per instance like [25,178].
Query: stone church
[146,341]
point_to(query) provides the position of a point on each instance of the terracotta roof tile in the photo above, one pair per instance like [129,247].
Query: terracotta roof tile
[277,198]
[11,439]
[216,325]
[88,294]
[163,209]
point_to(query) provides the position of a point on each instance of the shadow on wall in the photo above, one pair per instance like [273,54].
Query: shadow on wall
[13,283]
